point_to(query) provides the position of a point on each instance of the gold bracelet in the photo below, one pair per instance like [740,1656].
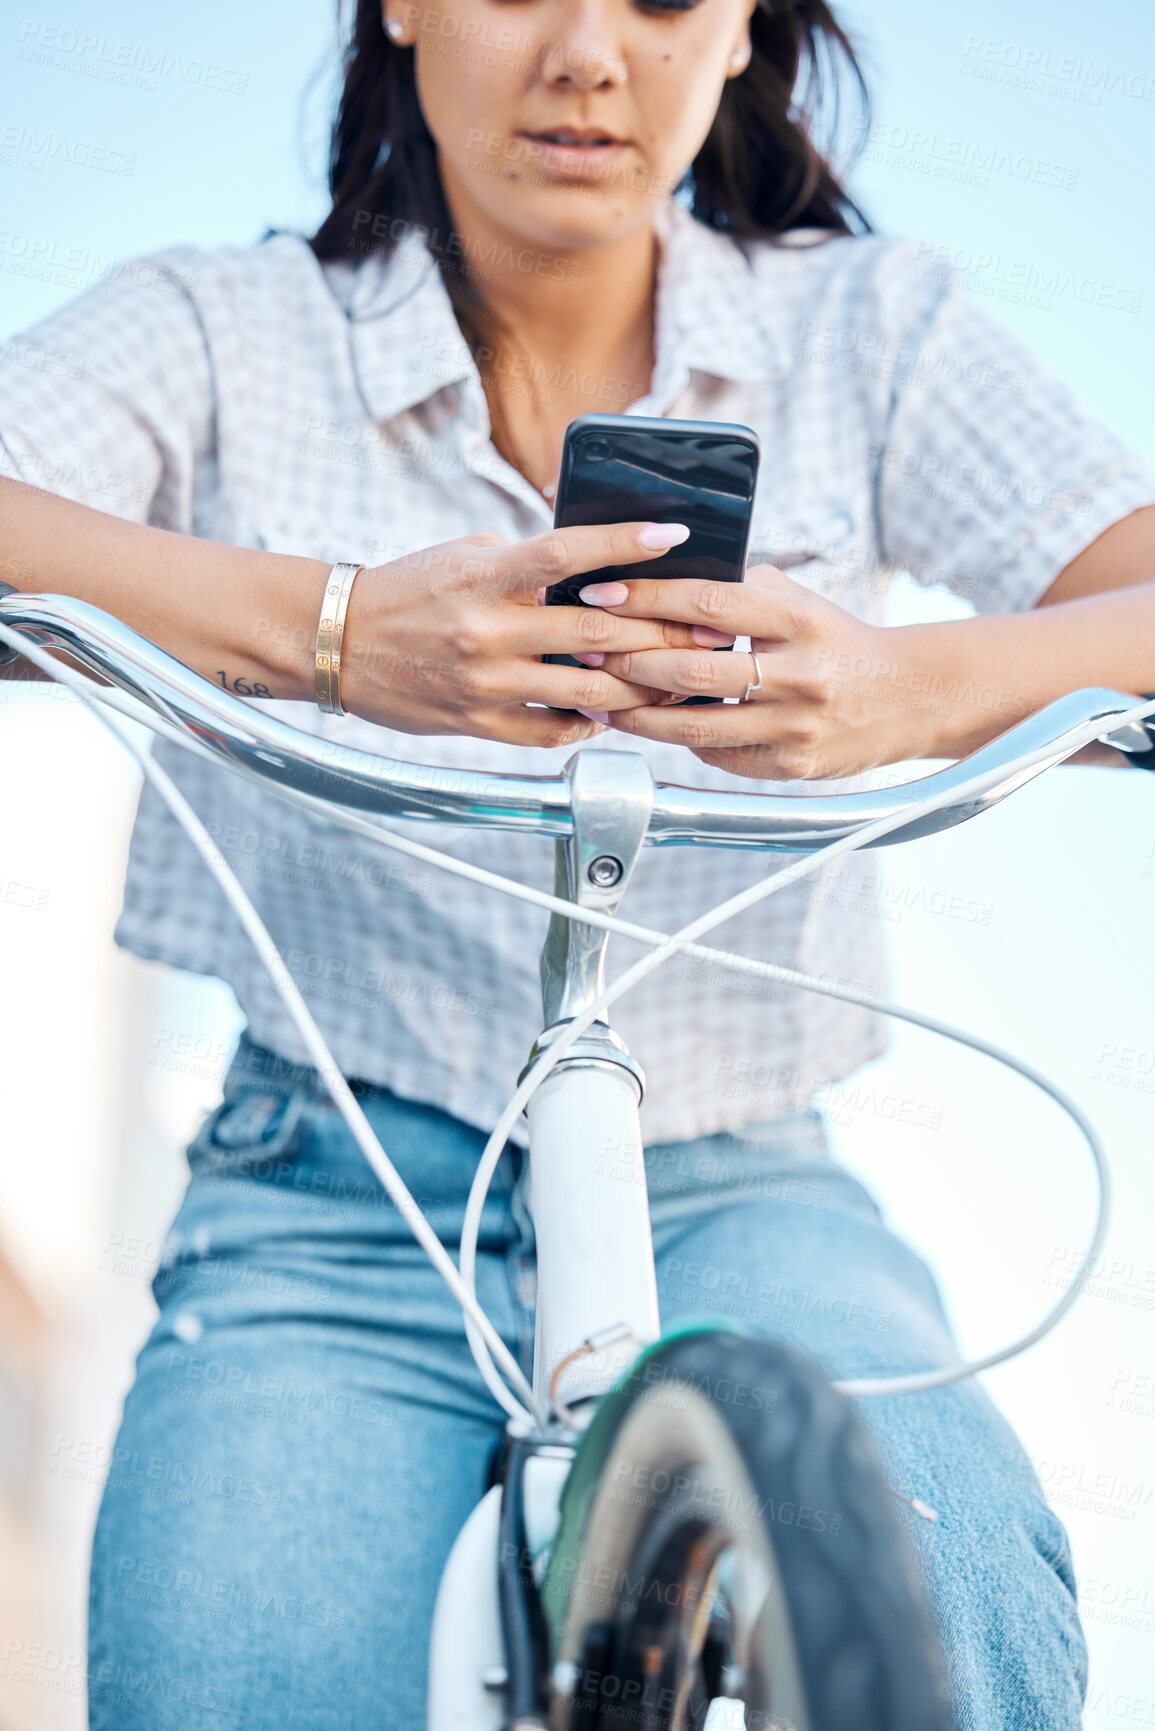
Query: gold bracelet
[330,631]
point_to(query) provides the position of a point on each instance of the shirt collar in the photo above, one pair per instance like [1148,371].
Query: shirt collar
[713,315]
[406,344]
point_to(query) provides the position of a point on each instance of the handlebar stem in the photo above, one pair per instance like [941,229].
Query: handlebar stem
[611,804]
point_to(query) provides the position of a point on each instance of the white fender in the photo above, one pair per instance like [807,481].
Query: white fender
[466,1640]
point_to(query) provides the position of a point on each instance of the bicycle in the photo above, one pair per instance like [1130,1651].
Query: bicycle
[622,1571]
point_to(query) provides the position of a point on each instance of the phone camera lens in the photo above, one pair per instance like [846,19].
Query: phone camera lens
[595,450]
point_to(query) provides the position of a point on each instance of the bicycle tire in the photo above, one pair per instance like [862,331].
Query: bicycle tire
[706,1459]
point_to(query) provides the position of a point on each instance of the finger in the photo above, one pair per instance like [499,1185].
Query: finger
[706,728]
[761,761]
[586,631]
[560,553]
[546,728]
[690,673]
[736,609]
[593,690]
[484,538]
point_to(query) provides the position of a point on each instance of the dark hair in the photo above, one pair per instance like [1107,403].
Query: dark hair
[759,172]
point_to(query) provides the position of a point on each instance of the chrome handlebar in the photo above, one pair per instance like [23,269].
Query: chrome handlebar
[184,705]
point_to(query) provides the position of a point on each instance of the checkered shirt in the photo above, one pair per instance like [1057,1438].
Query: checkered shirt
[253,396]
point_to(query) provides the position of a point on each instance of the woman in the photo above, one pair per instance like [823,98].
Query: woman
[504,253]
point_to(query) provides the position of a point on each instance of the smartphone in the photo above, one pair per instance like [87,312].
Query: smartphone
[634,468]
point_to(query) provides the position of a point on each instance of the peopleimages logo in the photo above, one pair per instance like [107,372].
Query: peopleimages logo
[53,260]
[1020,280]
[1029,67]
[25,147]
[129,63]
[961,159]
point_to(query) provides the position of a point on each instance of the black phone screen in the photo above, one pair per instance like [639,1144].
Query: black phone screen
[630,468]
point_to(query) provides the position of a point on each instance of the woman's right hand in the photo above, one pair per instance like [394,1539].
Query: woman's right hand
[448,640]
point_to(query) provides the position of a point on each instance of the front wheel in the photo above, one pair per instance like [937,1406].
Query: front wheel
[728,1558]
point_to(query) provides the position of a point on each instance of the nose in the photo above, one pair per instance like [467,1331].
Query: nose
[583,50]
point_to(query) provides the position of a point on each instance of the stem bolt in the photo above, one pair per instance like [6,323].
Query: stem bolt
[604,871]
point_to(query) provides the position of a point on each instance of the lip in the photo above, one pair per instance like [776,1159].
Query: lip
[574,152]
[574,137]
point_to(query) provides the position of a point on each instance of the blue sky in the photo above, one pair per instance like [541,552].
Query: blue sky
[954,74]
[1018,137]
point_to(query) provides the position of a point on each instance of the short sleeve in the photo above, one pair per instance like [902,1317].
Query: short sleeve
[109,401]
[991,477]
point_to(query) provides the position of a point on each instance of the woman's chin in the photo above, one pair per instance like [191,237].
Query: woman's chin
[565,216]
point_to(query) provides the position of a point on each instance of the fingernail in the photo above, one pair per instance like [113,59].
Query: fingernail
[602,715]
[708,638]
[659,536]
[604,594]
[593,659]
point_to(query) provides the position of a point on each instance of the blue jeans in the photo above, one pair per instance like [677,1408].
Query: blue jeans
[307,1431]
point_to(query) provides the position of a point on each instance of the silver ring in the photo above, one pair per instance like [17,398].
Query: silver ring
[754,686]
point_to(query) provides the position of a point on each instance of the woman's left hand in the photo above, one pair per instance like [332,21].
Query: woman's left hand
[838,696]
